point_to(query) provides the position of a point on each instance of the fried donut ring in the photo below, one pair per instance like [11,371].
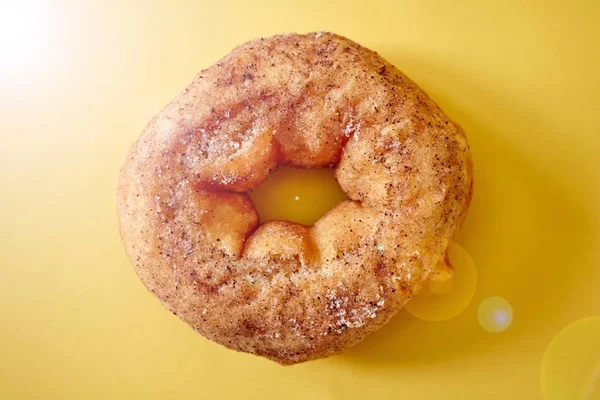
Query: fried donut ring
[281,290]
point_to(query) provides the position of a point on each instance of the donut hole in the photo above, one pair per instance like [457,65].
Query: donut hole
[297,195]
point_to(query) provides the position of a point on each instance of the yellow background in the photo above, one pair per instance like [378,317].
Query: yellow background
[80,80]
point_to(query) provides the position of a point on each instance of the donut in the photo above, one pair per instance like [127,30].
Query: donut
[282,290]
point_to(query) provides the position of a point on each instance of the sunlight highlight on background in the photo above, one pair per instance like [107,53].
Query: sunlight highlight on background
[23,38]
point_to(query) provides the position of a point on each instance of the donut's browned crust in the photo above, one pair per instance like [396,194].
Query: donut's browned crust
[281,290]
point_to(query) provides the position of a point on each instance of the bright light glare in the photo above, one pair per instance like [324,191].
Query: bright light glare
[23,37]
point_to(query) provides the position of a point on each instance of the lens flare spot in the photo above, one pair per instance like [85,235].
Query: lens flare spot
[441,287]
[591,388]
[425,291]
[495,314]
[571,363]
[440,300]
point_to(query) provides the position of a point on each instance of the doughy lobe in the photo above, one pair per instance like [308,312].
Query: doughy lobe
[281,290]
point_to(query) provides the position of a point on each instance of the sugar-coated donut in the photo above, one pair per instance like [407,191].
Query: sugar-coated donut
[282,290]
